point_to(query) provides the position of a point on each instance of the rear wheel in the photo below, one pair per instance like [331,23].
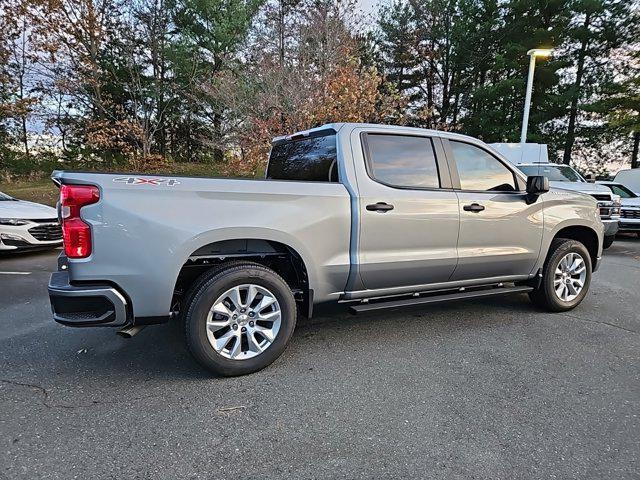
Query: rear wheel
[566,276]
[239,318]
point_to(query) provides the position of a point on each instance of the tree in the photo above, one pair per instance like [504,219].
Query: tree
[321,81]
[402,57]
[468,68]
[209,35]
[598,28]
[619,106]
[18,92]
[138,82]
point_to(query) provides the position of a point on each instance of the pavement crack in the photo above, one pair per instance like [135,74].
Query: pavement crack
[589,320]
[45,397]
[42,390]
[231,410]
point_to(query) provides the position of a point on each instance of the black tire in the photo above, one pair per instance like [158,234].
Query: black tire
[545,296]
[208,288]
[608,241]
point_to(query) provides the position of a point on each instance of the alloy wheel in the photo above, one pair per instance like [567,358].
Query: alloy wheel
[570,276]
[243,322]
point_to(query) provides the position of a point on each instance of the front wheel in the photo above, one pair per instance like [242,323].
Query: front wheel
[566,276]
[608,241]
[239,318]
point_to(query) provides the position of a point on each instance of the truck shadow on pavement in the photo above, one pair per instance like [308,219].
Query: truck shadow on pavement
[159,351]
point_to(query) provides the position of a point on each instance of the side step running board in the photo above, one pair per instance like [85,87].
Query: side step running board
[383,305]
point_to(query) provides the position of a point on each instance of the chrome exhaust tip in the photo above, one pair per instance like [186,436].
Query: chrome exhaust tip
[129,332]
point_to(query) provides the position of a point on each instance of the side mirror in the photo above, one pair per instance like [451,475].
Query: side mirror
[537,185]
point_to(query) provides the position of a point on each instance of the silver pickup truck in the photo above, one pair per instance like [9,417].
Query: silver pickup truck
[370,216]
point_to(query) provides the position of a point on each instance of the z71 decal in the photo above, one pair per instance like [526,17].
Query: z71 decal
[170,182]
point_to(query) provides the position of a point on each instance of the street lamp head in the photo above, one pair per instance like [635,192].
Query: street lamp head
[540,52]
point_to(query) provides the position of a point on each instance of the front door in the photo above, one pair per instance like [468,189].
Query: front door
[409,214]
[500,231]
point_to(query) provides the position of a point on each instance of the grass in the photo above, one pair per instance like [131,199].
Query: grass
[42,190]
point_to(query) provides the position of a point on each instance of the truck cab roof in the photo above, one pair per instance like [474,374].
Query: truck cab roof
[338,127]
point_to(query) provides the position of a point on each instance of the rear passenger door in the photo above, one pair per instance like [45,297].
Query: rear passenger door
[500,230]
[408,210]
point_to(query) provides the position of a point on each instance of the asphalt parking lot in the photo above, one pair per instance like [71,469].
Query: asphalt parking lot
[484,389]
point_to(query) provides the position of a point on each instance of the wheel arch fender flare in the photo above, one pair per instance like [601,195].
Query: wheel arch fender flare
[575,229]
[203,239]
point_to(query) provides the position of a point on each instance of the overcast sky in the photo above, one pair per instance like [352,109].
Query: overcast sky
[368,7]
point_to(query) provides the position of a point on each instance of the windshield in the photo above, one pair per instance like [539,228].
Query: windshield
[621,190]
[4,196]
[555,173]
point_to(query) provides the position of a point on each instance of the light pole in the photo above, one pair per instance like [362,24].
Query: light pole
[536,52]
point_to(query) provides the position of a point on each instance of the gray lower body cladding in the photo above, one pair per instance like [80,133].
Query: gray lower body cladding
[86,305]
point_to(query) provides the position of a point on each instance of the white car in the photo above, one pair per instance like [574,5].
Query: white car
[630,209]
[27,225]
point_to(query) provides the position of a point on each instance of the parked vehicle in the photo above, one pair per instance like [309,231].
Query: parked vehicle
[565,177]
[630,178]
[371,216]
[27,225]
[629,209]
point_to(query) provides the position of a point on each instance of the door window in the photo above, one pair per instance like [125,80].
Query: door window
[402,161]
[479,170]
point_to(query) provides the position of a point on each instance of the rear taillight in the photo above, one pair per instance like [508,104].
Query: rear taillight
[76,233]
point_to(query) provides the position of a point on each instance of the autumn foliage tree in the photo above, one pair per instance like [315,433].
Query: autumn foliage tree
[143,83]
[315,77]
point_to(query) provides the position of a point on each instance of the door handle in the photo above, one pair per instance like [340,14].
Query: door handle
[379,207]
[474,207]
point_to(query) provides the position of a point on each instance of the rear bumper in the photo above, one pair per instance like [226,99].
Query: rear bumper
[86,305]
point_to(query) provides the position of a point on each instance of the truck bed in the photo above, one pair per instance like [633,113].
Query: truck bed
[145,228]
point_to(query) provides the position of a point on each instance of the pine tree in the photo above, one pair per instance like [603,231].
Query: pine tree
[598,27]
[402,55]
[210,33]
[619,106]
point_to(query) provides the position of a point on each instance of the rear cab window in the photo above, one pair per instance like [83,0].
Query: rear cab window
[309,158]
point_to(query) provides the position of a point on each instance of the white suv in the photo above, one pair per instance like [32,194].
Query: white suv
[630,209]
